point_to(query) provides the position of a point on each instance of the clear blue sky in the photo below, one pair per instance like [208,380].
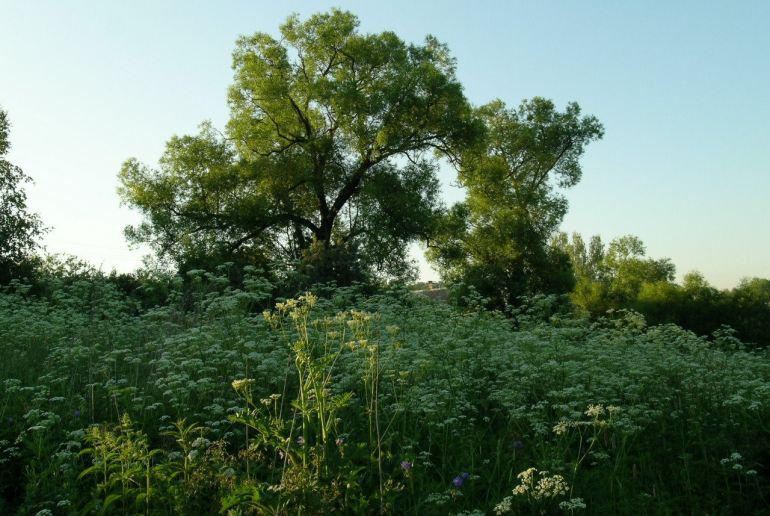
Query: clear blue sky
[683,89]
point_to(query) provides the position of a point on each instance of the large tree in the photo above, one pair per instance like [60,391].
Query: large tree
[329,156]
[497,239]
[19,229]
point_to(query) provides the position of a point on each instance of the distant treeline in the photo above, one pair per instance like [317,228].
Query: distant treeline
[620,276]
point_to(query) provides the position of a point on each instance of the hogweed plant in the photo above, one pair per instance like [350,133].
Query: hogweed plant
[304,452]
[123,469]
[589,433]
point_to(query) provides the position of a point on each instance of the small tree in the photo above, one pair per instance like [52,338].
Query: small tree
[19,229]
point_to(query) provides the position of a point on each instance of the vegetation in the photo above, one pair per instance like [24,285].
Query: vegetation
[355,404]
[326,158]
[276,362]
[497,240]
[19,229]
[621,277]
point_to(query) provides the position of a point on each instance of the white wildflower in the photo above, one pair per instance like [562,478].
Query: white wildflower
[243,384]
[572,504]
[595,411]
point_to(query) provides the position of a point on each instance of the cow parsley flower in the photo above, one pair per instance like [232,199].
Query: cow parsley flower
[243,384]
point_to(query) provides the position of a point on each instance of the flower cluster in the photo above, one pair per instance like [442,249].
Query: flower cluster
[243,384]
[734,463]
[546,486]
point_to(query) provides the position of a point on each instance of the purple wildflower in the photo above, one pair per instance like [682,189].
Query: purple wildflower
[458,481]
[465,475]
[406,465]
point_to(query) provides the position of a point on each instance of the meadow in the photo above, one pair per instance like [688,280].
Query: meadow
[225,400]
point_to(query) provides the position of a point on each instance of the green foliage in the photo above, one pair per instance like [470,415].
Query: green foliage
[622,277]
[326,157]
[19,229]
[310,458]
[497,239]
[616,277]
[403,406]
[626,270]
[159,394]
[123,470]
[749,307]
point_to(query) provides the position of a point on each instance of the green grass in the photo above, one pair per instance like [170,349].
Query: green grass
[391,403]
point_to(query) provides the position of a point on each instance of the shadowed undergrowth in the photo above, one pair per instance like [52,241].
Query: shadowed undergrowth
[391,403]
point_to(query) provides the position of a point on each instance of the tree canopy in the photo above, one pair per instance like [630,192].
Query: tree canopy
[497,240]
[19,229]
[616,276]
[330,154]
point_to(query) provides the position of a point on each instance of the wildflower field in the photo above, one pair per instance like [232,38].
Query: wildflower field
[228,401]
